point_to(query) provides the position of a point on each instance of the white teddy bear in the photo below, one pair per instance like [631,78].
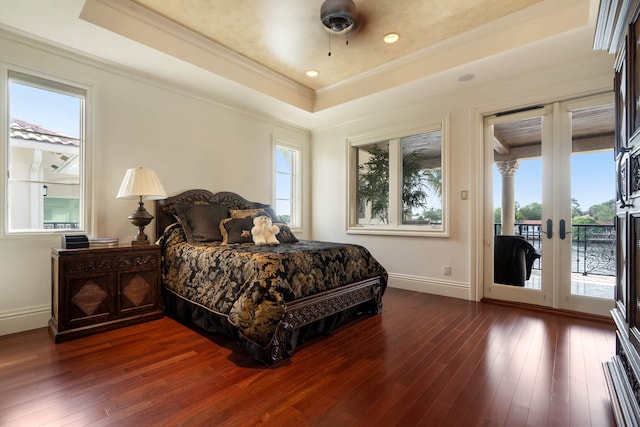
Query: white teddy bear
[263,231]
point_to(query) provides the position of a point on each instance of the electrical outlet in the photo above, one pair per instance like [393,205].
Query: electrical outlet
[446,270]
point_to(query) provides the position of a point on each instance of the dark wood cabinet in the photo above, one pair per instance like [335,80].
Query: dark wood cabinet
[98,289]
[618,31]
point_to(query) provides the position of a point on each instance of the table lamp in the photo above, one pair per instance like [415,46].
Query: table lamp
[141,183]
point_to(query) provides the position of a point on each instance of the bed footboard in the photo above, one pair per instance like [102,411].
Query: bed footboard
[313,308]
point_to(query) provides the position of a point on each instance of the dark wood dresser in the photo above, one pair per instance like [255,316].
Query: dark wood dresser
[97,289]
[618,31]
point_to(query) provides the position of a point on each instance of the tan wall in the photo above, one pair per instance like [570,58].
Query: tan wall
[417,263]
[190,141]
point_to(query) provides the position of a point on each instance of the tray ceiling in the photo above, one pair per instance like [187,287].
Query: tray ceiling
[252,54]
[286,36]
[268,45]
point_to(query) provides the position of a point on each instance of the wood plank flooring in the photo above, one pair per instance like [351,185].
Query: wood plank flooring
[425,361]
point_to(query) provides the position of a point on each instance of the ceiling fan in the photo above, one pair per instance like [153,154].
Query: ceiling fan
[339,17]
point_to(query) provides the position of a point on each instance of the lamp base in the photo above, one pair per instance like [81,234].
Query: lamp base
[140,242]
[140,218]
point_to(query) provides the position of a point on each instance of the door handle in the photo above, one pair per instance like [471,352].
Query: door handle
[562,229]
[549,232]
[619,183]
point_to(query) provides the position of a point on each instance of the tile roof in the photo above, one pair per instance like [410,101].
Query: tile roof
[20,129]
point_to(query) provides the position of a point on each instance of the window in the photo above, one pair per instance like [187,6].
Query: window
[397,184]
[287,184]
[45,151]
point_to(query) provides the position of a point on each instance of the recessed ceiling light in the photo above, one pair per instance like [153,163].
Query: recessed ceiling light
[313,73]
[391,38]
[465,77]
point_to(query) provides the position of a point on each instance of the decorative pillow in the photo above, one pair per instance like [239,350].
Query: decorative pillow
[243,213]
[201,223]
[236,230]
[285,235]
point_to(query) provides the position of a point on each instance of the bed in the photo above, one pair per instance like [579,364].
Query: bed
[269,298]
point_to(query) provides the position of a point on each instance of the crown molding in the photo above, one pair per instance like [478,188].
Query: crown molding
[541,21]
[134,22]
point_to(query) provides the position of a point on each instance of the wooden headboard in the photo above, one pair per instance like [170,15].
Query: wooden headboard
[165,209]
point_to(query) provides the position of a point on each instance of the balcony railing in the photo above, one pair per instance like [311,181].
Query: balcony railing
[61,225]
[593,246]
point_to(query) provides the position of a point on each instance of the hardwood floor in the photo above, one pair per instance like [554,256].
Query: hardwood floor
[425,361]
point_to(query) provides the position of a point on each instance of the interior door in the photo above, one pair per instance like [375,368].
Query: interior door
[542,160]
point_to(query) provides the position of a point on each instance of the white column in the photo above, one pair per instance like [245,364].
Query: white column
[507,170]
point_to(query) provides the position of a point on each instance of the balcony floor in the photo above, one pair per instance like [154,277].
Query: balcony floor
[594,285]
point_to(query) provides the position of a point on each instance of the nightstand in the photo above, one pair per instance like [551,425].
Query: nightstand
[97,289]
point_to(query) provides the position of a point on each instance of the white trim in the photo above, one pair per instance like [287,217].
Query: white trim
[101,64]
[24,319]
[297,200]
[556,273]
[59,84]
[447,288]
[144,26]
[477,207]
[394,227]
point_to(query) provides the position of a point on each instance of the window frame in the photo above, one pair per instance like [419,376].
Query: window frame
[48,82]
[296,191]
[395,226]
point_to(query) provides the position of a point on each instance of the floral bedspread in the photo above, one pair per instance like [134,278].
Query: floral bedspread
[251,284]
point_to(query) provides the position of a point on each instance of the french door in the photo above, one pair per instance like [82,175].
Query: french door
[549,234]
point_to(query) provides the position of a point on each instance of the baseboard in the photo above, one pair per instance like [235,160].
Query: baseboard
[24,319]
[446,288]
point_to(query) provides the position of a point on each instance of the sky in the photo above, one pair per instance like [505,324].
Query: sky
[592,180]
[53,111]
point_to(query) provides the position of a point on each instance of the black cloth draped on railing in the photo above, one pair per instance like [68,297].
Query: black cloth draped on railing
[593,246]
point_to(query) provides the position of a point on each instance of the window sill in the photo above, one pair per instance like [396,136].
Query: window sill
[396,231]
[39,234]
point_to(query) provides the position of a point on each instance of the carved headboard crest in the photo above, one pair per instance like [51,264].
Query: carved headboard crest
[165,209]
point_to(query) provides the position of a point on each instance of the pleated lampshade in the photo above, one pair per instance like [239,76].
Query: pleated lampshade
[141,182]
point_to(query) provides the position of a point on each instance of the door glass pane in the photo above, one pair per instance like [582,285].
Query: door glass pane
[593,246]
[517,199]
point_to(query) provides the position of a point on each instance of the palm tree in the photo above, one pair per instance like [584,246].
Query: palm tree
[373,184]
[414,180]
[434,180]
